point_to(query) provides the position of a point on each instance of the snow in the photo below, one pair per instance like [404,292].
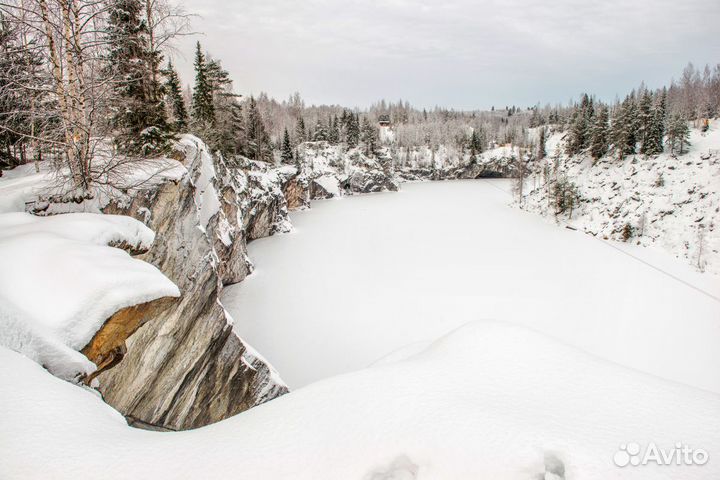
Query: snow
[364,276]
[206,198]
[23,186]
[330,184]
[489,400]
[672,203]
[61,281]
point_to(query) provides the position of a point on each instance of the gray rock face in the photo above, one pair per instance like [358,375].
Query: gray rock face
[186,368]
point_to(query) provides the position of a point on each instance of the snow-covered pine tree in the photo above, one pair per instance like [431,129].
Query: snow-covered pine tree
[580,126]
[599,133]
[623,130]
[300,133]
[320,133]
[203,111]
[136,100]
[646,120]
[633,125]
[475,146]
[287,150]
[369,136]
[678,134]
[175,100]
[257,138]
[353,130]
[542,140]
[334,131]
[657,130]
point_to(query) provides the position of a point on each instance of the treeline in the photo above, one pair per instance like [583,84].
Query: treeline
[88,85]
[645,121]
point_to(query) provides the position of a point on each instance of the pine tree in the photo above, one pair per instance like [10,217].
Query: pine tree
[646,120]
[475,146]
[599,133]
[334,131]
[136,100]
[203,111]
[300,133]
[542,140]
[353,130]
[173,90]
[657,130]
[369,135]
[678,134]
[287,150]
[633,126]
[624,128]
[580,126]
[320,133]
[258,140]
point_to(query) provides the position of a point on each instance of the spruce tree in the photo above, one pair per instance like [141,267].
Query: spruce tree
[599,133]
[579,133]
[300,133]
[542,140]
[657,132]
[353,130]
[136,102]
[173,91]
[320,133]
[203,111]
[334,131]
[369,135]
[258,140]
[646,119]
[287,150]
[678,134]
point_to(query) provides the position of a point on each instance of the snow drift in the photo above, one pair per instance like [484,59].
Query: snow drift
[487,401]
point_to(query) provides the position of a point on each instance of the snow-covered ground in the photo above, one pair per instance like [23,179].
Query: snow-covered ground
[668,203]
[488,401]
[363,276]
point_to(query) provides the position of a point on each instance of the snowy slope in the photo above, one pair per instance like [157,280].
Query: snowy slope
[488,401]
[670,203]
[61,281]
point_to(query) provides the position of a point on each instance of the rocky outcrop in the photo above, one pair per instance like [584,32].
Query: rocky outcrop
[496,167]
[108,347]
[187,368]
[331,171]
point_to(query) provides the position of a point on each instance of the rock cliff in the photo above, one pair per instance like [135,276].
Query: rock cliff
[183,366]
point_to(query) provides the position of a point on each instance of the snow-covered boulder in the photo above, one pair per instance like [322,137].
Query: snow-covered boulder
[62,280]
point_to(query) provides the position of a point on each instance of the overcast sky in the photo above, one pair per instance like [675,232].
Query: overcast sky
[463,54]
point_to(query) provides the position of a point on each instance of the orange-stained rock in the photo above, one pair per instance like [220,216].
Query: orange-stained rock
[107,347]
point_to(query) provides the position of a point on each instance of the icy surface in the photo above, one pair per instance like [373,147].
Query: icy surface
[61,281]
[489,401]
[361,277]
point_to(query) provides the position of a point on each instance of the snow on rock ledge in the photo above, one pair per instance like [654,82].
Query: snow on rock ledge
[62,280]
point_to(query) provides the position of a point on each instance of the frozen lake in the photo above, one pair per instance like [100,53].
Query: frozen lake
[361,277]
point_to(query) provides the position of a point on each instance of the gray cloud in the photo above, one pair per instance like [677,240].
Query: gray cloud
[457,53]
